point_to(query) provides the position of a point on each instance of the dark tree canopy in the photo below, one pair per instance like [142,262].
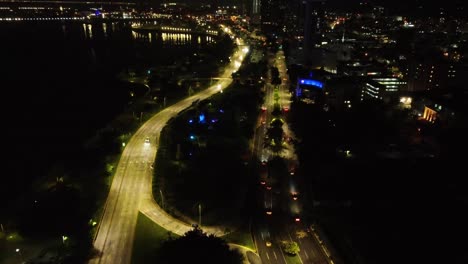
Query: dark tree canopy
[198,247]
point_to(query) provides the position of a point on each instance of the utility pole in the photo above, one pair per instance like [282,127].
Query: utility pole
[199,215]
[21,255]
[162,198]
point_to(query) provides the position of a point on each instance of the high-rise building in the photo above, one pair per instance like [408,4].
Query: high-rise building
[272,14]
[384,89]
[255,7]
[313,21]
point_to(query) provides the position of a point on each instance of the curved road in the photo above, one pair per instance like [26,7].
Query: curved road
[131,188]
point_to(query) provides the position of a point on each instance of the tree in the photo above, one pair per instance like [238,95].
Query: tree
[290,247]
[276,110]
[301,234]
[275,131]
[198,247]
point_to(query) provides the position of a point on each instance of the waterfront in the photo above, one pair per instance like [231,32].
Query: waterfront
[59,85]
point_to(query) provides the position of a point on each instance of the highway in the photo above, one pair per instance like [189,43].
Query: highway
[269,229]
[131,188]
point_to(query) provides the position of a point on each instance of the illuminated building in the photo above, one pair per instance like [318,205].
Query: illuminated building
[433,75]
[255,7]
[382,88]
[313,20]
[429,114]
[342,93]
[272,14]
[311,88]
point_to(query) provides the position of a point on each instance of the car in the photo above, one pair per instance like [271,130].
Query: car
[263,121]
[147,140]
[294,196]
[297,218]
[268,243]
[268,187]
[269,211]
[264,108]
[292,168]
[286,109]
[262,182]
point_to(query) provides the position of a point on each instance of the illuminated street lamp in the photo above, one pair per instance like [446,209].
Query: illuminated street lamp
[21,255]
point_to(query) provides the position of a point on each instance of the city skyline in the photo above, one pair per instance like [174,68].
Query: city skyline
[260,131]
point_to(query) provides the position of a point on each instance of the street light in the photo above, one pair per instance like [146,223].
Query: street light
[162,198]
[19,253]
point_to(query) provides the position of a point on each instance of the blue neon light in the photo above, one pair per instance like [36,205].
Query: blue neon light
[310,82]
[201,118]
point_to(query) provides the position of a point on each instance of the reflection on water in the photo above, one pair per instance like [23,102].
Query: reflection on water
[90,31]
[172,38]
[176,38]
[104,31]
[84,31]
[64,30]
[104,26]
[115,45]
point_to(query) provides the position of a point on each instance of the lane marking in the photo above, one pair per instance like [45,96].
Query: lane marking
[274,253]
[268,257]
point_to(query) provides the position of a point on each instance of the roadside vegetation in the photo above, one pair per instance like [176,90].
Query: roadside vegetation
[64,204]
[149,238]
[365,171]
[204,156]
[195,246]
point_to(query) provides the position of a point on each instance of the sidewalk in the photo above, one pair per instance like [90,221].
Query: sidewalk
[250,257]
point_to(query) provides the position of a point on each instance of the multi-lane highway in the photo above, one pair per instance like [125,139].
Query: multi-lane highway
[131,188]
[276,219]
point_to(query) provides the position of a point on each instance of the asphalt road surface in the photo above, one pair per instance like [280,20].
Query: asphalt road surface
[270,229]
[131,188]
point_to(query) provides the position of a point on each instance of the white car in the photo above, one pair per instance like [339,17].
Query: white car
[147,141]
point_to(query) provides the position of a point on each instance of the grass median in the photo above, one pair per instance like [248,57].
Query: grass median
[149,237]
